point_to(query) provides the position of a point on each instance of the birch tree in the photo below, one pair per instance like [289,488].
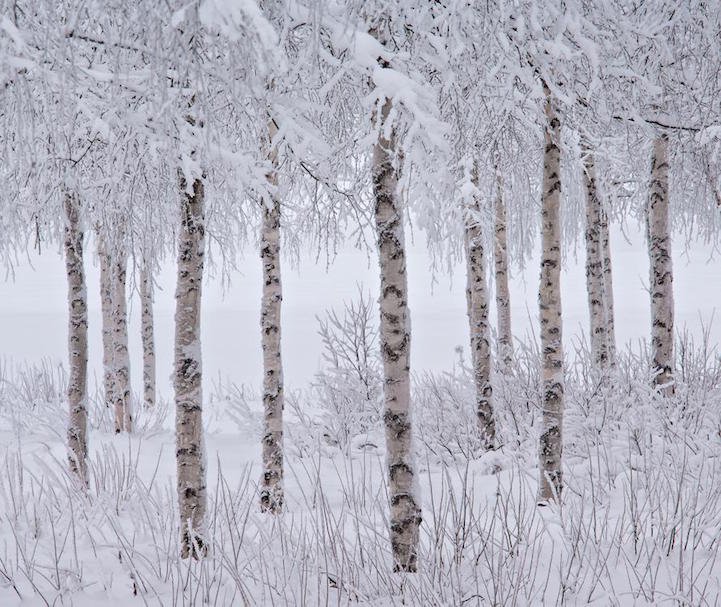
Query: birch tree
[595,271]
[395,329]
[190,448]
[500,263]
[271,497]
[116,359]
[549,300]
[661,268]
[147,332]
[395,341]
[404,129]
[610,320]
[477,310]
[188,362]
[106,311]
[121,356]
[77,340]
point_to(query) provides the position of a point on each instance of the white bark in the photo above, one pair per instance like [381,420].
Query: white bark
[595,276]
[503,294]
[116,360]
[661,270]
[147,334]
[480,330]
[271,498]
[106,306]
[77,341]
[395,341]
[190,449]
[608,288]
[549,299]
[121,356]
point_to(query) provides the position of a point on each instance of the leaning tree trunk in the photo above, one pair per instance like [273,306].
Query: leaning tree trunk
[271,497]
[190,449]
[503,294]
[661,270]
[549,299]
[147,334]
[121,367]
[480,331]
[595,278]
[395,339]
[608,288]
[77,341]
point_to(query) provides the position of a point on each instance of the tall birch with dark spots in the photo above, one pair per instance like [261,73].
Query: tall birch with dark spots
[500,263]
[77,340]
[116,358]
[147,333]
[190,448]
[604,233]
[477,303]
[595,276]
[271,496]
[395,341]
[121,355]
[661,268]
[549,300]
[106,310]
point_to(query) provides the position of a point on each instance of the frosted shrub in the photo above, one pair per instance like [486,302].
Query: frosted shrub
[233,408]
[444,405]
[444,410]
[33,394]
[517,396]
[348,389]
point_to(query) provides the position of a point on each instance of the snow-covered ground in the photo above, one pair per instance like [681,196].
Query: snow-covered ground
[640,522]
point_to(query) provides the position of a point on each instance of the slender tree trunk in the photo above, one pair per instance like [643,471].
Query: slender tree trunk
[595,277]
[395,340]
[77,341]
[271,497]
[147,334]
[106,306]
[190,449]
[121,367]
[503,294]
[480,331]
[549,299]
[661,270]
[116,361]
[608,288]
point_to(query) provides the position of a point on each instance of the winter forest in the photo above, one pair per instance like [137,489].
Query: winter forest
[503,220]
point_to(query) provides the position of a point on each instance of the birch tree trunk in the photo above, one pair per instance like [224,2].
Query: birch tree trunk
[77,341]
[503,294]
[608,288]
[595,276]
[147,334]
[549,299]
[121,366]
[271,497]
[480,331]
[395,339]
[106,307]
[190,449]
[116,361]
[661,270]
